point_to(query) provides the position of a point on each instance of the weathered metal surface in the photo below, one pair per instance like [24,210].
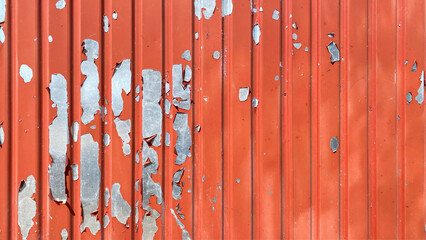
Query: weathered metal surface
[212,119]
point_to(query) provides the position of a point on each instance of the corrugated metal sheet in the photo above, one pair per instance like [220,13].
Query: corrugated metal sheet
[261,168]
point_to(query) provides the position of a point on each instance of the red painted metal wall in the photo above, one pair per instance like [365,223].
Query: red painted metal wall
[261,168]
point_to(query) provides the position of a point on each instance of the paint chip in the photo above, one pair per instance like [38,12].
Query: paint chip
[2,36]
[414,69]
[186,55]
[331,35]
[123,130]
[64,234]
[334,52]
[149,187]
[121,81]
[243,94]
[227,7]
[177,189]
[196,35]
[120,209]
[294,25]
[26,73]
[106,197]
[167,140]
[106,23]
[1,136]
[58,138]
[74,170]
[183,142]
[89,183]
[198,128]
[90,89]
[255,102]
[74,131]
[188,73]
[106,220]
[149,224]
[207,7]
[409,97]
[334,144]
[256,33]
[421,91]
[107,139]
[297,45]
[152,114]
[114,15]
[276,15]
[294,36]
[61,4]
[216,54]
[27,206]
[185,233]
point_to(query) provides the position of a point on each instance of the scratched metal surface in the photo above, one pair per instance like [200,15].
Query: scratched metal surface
[288,119]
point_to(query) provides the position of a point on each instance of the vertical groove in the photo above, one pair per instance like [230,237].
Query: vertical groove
[13,119]
[133,147]
[44,79]
[372,104]
[286,95]
[223,125]
[163,149]
[400,124]
[75,111]
[315,160]
[343,118]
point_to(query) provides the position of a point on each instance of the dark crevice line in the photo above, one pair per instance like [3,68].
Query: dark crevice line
[368,118]
[282,192]
[193,122]
[133,147]
[222,124]
[340,123]
[252,127]
[102,99]
[310,119]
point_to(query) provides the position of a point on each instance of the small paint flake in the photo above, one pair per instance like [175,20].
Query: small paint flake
[186,55]
[216,54]
[297,45]
[331,35]
[114,15]
[238,180]
[227,7]
[414,69]
[306,49]
[2,10]
[50,38]
[1,136]
[261,9]
[106,23]
[2,36]
[206,7]
[26,73]
[277,78]
[334,52]
[256,33]
[198,128]
[421,91]
[294,36]
[60,4]
[409,97]
[294,25]
[276,15]
[64,234]
[196,35]
[334,144]
[27,206]
[255,102]
[243,94]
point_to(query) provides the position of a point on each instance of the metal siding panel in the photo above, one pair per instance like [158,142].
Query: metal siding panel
[255,172]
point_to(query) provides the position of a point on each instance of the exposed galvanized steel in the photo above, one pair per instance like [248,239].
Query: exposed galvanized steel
[212,119]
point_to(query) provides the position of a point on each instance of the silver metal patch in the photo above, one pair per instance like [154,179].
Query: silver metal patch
[27,207]
[90,89]
[120,209]
[183,142]
[26,73]
[121,80]
[256,33]
[207,7]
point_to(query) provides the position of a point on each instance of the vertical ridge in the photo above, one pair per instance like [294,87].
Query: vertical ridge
[44,79]
[372,104]
[75,110]
[13,119]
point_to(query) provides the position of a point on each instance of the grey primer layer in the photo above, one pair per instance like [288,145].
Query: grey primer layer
[206,6]
[150,188]
[74,131]
[177,190]
[106,196]
[421,91]
[183,142]
[186,55]
[149,224]
[121,80]
[90,88]
[58,137]
[185,234]
[2,10]
[276,15]
[334,144]
[60,4]
[334,52]
[227,7]
[256,33]
[409,97]
[27,206]
[2,36]
[152,114]
[74,169]
[123,130]
[90,183]
[120,209]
